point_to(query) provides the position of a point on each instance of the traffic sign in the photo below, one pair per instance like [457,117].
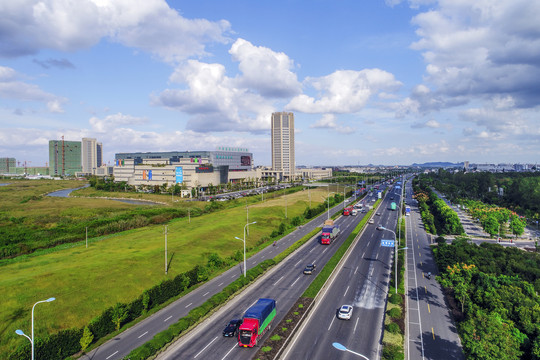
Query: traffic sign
[387,243]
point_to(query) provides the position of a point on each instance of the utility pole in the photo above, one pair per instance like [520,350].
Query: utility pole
[166,228]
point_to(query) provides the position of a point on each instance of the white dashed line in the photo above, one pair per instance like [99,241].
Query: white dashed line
[140,336]
[114,353]
[167,318]
[188,305]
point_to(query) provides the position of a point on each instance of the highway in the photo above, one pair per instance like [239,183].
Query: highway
[285,283]
[122,344]
[431,333]
[361,282]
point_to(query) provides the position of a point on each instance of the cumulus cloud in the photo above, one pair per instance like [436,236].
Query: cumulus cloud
[432,123]
[264,70]
[214,100]
[115,121]
[328,121]
[12,88]
[343,91]
[151,25]
[482,49]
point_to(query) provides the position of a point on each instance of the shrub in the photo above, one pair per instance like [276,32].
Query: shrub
[394,313]
[393,328]
[266,348]
[392,352]
[275,337]
[395,299]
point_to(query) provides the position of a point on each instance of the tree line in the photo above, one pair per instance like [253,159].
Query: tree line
[496,292]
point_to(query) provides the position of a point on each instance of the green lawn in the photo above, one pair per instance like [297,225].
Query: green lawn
[119,267]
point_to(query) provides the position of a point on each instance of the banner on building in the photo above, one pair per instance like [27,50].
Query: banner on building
[119,162]
[179,175]
[147,174]
[207,168]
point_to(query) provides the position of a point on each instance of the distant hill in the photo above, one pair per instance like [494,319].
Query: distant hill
[439,164]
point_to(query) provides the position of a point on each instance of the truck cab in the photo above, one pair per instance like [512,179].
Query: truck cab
[248,333]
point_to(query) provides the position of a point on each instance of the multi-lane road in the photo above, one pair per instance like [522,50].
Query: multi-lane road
[430,333]
[362,282]
[285,283]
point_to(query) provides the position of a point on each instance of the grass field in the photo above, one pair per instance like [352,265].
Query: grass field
[85,281]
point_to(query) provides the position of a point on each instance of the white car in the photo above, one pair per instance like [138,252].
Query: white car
[345,312]
[371,221]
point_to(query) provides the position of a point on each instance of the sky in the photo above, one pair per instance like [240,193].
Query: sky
[369,82]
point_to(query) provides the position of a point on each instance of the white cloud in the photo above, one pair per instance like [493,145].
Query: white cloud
[481,49]
[112,122]
[328,121]
[432,123]
[12,88]
[215,100]
[150,25]
[344,91]
[266,71]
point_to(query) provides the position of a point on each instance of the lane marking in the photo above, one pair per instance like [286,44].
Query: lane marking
[220,284]
[279,280]
[295,281]
[311,250]
[355,270]
[188,305]
[114,353]
[140,336]
[324,250]
[167,318]
[433,333]
[206,293]
[428,309]
[331,322]
[346,291]
[354,331]
[210,343]
[298,262]
[235,346]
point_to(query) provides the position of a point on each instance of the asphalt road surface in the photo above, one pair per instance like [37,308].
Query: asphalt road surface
[362,282]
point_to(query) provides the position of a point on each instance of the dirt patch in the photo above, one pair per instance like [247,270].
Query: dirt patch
[281,331]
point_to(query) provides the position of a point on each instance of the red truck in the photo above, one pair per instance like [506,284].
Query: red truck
[329,232]
[256,321]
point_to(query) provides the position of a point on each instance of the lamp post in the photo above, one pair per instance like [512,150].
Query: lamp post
[236,237]
[20,332]
[343,348]
[328,202]
[395,254]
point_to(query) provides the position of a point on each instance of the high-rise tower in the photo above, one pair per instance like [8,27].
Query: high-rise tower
[283,143]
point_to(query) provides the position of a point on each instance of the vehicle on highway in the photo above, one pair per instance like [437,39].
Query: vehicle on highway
[232,328]
[256,321]
[329,232]
[378,214]
[380,227]
[309,269]
[345,312]
[371,221]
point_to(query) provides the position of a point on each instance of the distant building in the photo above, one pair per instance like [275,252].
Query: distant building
[91,155]
[7,165]
[283,160]
[64,157]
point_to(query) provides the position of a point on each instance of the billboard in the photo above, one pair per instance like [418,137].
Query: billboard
[208,168]
[147,174]
[179,175]
[245,160]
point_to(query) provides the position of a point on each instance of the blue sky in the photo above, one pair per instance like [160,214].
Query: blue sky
[381,82]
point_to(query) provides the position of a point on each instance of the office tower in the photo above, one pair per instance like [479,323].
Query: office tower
[64,157]
[283,143]
[92,155]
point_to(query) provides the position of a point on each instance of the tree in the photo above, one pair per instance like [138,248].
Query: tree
[86,338]
[517,225]
[118,315]
[459,279]
[487,336]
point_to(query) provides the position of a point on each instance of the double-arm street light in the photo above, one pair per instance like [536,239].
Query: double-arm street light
[328,202]
[20,332]
[244,240]
[395,254]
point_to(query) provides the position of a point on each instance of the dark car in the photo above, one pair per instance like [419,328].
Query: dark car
[309,269]
[232,327]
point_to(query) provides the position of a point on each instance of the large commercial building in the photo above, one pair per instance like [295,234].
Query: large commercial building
[7,165]
[64,157]
[236,159]
[91,155]
[283,144]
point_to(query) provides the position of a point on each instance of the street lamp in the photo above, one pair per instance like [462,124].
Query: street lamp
[236,237]
[328,202]
[20,332]
[395,256]
[343,348]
